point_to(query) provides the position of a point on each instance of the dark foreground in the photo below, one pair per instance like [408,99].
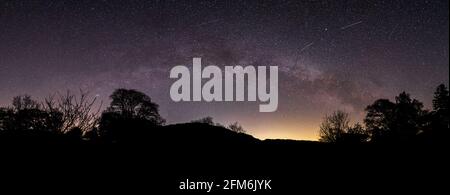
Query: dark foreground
[159,164]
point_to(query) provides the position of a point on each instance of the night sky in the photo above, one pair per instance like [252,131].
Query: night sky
[331,54]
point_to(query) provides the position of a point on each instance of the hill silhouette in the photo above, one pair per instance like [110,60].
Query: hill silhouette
[157,159]
[204,134]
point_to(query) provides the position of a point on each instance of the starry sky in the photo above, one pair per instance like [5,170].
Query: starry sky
[331,54]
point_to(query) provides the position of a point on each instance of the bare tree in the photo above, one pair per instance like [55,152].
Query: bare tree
[78,111]
[334,126]
[236,127]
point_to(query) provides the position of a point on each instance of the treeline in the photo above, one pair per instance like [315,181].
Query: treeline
[132,115]
[79,117]
[402,121]
[67,117]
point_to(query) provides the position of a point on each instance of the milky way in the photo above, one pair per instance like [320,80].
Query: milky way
[331,54]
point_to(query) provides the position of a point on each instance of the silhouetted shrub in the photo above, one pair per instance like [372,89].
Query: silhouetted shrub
[236,127]
[336,128]
[206,120]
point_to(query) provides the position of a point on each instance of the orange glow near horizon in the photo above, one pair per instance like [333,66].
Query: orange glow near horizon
[283,131]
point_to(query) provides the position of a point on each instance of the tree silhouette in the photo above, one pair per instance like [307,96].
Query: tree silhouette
[236,127]
[357,129]
[441,107]
[355,134]
[24,102]
[408,114]
[27,114]
[393,122]
[77,111]
[379,119]
[6,119]
[438,128]
[440,101]
[334,126]
[130,113]
[132,104]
